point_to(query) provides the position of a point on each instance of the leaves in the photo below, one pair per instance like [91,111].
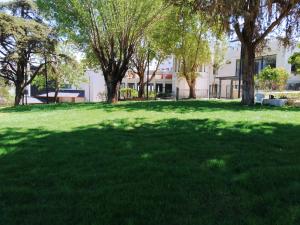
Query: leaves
[295,60]
[272,78]
[24,38]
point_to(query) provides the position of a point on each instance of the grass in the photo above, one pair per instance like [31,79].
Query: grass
[156,163]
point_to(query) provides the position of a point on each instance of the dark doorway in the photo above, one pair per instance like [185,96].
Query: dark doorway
[159,88]
[168,88]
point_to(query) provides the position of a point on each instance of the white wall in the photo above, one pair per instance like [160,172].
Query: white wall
[94,85]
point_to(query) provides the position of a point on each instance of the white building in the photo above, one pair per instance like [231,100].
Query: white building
[275,55]
[165,81]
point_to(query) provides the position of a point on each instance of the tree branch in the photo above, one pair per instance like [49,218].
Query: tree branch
[273,24]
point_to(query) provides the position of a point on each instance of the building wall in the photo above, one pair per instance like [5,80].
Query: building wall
[273,48]
[94,87]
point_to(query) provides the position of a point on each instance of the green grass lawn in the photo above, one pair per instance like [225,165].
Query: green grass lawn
[155,163]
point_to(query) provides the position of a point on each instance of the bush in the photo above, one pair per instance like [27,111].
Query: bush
[272,78]
[128,93]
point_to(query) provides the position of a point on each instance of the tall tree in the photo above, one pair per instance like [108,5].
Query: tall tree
[155,47]
[111,28]
[252,22]
[191,48]
[142,56]
[158,43]
[23,39]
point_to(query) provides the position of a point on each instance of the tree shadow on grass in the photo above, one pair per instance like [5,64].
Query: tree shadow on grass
[156,106]
[169,172]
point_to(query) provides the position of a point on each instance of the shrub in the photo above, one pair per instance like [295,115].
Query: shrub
[272,78]
[128,93]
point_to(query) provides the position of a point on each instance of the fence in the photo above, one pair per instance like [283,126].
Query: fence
[200,93]
[179,94]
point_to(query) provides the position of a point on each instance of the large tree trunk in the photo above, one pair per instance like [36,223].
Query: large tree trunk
[112,92]
[141,89]
[19,95]
[192,86]
[248,89]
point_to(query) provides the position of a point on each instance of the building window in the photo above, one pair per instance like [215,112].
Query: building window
[131,85]
[269,61]
[260,63]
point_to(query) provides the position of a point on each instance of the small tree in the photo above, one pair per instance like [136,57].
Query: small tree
[192,49]
[23,41]
[142,56]
[62,68]
[110,28]
[272,78]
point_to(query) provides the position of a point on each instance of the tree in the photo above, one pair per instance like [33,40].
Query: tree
[23,38]
[158,43]
[110,28]
[272,78]
[192,48]
[63,69]
[253,21]
[294,60]
[139,61]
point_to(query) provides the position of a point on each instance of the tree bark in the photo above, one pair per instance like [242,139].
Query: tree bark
[248,89]
[19,94]
[141,89]
[192,86]
[112,92]
[56,95]
[141,84]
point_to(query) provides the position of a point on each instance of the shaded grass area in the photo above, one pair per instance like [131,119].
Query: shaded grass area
[160,171]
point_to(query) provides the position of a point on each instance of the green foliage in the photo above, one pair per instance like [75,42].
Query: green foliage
[188,39]
[220,48]
[128,93]
[24,38]
[103,25]
[62,69]
[295,60]
[272,78]
[108,30]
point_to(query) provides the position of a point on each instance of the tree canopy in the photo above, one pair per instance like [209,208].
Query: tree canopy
[62,69]
[23,40]
[109,30]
